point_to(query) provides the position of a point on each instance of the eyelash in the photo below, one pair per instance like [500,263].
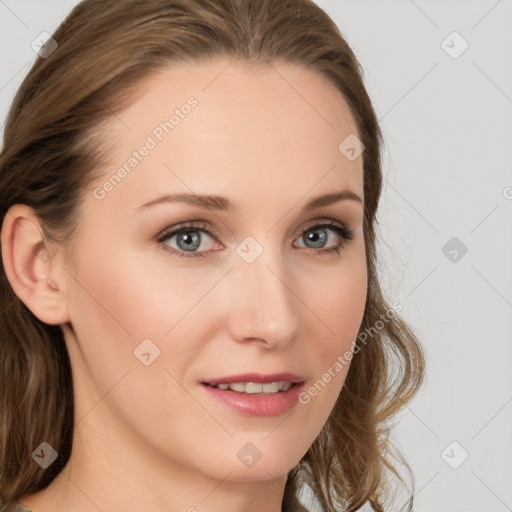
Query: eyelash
[345,233]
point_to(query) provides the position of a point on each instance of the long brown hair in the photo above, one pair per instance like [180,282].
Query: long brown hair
[50,156]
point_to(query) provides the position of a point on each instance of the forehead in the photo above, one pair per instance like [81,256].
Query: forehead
[206,126]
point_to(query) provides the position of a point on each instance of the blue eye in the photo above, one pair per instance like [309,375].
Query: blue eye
[318,236]
[188,239]
[191,238]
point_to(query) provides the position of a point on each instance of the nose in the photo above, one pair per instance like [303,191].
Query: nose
[263,307]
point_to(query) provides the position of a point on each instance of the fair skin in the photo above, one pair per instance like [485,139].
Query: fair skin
[151,437]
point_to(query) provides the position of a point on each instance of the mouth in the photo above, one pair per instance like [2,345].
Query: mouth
[252,388]
[256,394]
[252,383]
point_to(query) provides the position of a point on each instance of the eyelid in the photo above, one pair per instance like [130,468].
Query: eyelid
[321,222]
[340,228]
[183,226]
[191,225]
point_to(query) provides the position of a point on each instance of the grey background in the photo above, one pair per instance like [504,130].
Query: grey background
[448,129]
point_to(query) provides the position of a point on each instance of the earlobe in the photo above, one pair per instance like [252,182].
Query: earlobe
[32,271]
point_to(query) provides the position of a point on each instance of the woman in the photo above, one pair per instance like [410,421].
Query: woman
[192,316]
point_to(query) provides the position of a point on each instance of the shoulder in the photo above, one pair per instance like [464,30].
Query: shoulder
[16,507]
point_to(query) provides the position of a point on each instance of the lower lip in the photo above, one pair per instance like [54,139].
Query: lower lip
[257,404]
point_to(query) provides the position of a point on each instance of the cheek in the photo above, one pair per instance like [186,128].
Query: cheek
[113,308]
[121,310]
[125,299]
[342,301]
[339,305]
[339,301]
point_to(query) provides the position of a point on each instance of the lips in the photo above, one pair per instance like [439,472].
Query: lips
[256,378]
[256,394]
[252,388]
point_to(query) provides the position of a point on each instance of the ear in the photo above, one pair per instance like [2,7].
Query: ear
[33,272]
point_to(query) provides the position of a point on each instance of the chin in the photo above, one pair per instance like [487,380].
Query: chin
[253,466]
[260,472]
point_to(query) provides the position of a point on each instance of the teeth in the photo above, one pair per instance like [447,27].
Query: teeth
[270,387]
[255,387]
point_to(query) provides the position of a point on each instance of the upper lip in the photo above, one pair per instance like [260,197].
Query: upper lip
[257,377]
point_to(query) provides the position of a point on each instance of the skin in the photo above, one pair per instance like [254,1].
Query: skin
[149,437]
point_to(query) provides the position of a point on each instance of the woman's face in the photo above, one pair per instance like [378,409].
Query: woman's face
[259,288]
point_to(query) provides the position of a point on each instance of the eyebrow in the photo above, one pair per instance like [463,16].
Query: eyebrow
[219,203]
